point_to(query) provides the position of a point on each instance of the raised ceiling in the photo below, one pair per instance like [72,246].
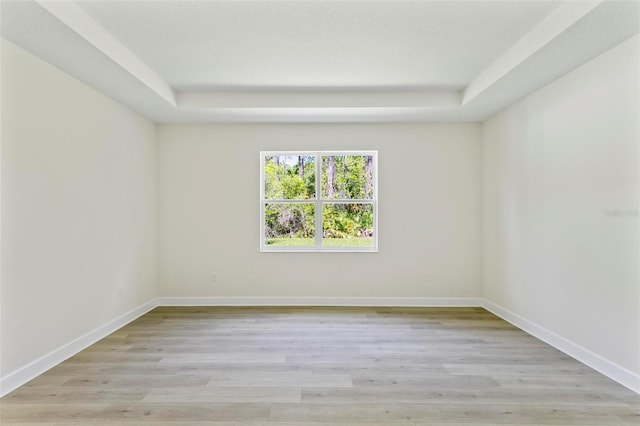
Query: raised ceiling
[322,61]
[317,44]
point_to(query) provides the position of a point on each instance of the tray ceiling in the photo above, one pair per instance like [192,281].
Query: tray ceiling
[320,61]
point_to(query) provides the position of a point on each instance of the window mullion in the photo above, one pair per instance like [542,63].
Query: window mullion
[346,201]
[318,209]
[292,201]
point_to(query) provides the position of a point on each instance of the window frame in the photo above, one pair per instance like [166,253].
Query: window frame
[318,202]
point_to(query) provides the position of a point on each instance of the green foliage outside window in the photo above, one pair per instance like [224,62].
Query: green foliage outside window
[293,177]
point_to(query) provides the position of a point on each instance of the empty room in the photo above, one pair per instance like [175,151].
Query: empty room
[319,212]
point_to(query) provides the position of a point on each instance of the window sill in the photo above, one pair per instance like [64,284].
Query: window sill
[320,250]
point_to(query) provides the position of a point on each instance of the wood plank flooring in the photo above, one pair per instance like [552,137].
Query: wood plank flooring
[307,366]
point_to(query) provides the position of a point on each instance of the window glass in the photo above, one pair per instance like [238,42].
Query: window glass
[318,201]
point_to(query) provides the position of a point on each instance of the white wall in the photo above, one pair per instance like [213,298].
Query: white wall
[560,207]
[429,213]
[78,209]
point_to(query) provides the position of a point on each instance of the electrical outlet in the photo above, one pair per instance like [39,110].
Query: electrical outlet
[119,291]
[426,277]
[214,277]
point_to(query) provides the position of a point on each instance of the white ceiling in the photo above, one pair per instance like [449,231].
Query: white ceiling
[211,61]
[317,43]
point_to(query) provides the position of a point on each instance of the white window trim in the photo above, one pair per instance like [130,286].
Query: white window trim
[318,204]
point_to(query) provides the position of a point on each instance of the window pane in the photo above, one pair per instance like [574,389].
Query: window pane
[347,177]
[289,177]
[289,225]
[347,225]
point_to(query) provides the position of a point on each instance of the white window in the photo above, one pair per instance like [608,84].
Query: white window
[319,201]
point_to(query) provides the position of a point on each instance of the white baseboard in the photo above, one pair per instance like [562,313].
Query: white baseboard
[610,369]
[32,370]
[322,301]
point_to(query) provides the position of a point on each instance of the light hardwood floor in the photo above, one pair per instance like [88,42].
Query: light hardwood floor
[308,366]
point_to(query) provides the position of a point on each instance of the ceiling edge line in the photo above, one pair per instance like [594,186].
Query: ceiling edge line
[314,99]
[86,27]
[552,26]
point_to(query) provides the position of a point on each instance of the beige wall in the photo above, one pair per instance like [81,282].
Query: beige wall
[428,212]
[560,201]
[78,209]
